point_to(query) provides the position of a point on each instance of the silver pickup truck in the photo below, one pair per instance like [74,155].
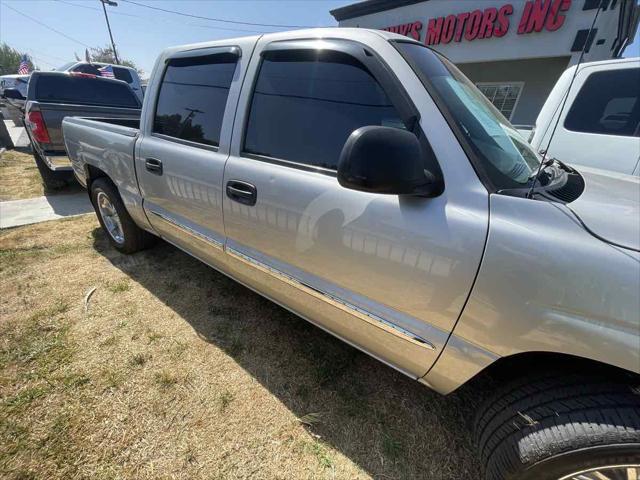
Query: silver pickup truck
[358,179]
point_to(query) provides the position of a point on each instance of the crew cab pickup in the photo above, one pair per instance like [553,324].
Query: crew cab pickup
[54,95]
[357,178]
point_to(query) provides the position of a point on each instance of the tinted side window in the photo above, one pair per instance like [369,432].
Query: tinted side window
[608,103]
[85,91]
[192,98]
[305,107]
[122,74]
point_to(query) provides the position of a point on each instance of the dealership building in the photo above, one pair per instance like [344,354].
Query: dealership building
[513,50]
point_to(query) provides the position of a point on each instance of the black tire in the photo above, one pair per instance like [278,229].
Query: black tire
[134,238]
[557,425]
[51,179]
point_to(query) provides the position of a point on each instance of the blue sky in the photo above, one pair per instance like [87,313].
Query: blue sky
[141,33]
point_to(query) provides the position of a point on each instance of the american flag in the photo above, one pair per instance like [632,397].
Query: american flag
[106,71]
[23,69]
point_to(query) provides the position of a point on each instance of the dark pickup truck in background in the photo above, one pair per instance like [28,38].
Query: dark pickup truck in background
[52,96]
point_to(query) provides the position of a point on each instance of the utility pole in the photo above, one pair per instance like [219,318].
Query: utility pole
[106,17]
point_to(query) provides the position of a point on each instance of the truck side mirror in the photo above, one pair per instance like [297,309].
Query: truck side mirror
[386,160]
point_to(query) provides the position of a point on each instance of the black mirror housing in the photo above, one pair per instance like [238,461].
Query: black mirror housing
[386,160]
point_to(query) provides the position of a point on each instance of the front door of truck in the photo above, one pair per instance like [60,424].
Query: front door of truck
[406,262]
[180,160]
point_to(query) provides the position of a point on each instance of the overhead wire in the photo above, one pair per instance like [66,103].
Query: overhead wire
[210,27]
[222,20]
[45,54]
[32,56]
[201,17]
[41,60]
[98,9]
[45,25]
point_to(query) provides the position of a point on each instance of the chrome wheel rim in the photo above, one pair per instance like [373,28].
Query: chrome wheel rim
[611,472]
[110,217]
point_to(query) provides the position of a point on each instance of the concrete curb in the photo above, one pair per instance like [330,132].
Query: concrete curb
[14,213]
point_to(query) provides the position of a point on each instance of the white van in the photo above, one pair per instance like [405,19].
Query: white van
[600,123]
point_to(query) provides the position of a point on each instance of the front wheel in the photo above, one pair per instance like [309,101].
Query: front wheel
[562,427]
[123,233]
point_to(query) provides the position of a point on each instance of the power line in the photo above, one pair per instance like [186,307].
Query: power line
[163,20]
[31,55]
[40,60]
[46,26]
[211,27]
[98,9]
[49,55]
[38,52]
[216,19]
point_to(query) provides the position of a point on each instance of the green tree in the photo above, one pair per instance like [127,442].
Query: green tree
[10,60]
[105,55]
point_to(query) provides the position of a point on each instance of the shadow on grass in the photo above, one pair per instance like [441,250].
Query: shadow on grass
[71,188]
[388,424]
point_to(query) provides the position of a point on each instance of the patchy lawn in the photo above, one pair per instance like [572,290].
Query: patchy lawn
[171,370]
[19,178]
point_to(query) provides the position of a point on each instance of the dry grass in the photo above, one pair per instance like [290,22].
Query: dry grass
[19,178]
[175,371]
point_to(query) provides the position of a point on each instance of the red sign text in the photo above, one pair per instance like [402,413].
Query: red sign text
[537,15]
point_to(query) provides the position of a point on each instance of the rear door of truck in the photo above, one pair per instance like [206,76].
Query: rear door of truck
[186,132]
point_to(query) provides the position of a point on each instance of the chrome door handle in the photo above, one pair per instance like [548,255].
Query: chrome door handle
[242,192]
[153,165]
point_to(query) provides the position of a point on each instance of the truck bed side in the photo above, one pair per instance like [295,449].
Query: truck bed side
[54,113]
[105,147]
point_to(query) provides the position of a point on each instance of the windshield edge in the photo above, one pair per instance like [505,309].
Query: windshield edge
[446,113]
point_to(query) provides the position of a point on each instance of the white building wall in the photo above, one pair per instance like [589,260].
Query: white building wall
[538,76]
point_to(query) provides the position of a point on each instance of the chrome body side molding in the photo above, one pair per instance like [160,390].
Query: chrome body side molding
[347,307]
[188,230]
[227,268]
[334,301]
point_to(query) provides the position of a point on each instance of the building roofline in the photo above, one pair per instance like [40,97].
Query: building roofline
[368,6]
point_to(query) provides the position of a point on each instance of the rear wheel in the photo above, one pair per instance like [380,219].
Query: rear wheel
[51,179]
[120,228]
[562,427]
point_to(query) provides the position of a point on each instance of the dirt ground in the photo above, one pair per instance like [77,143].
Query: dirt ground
[171,370]
[19,177]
